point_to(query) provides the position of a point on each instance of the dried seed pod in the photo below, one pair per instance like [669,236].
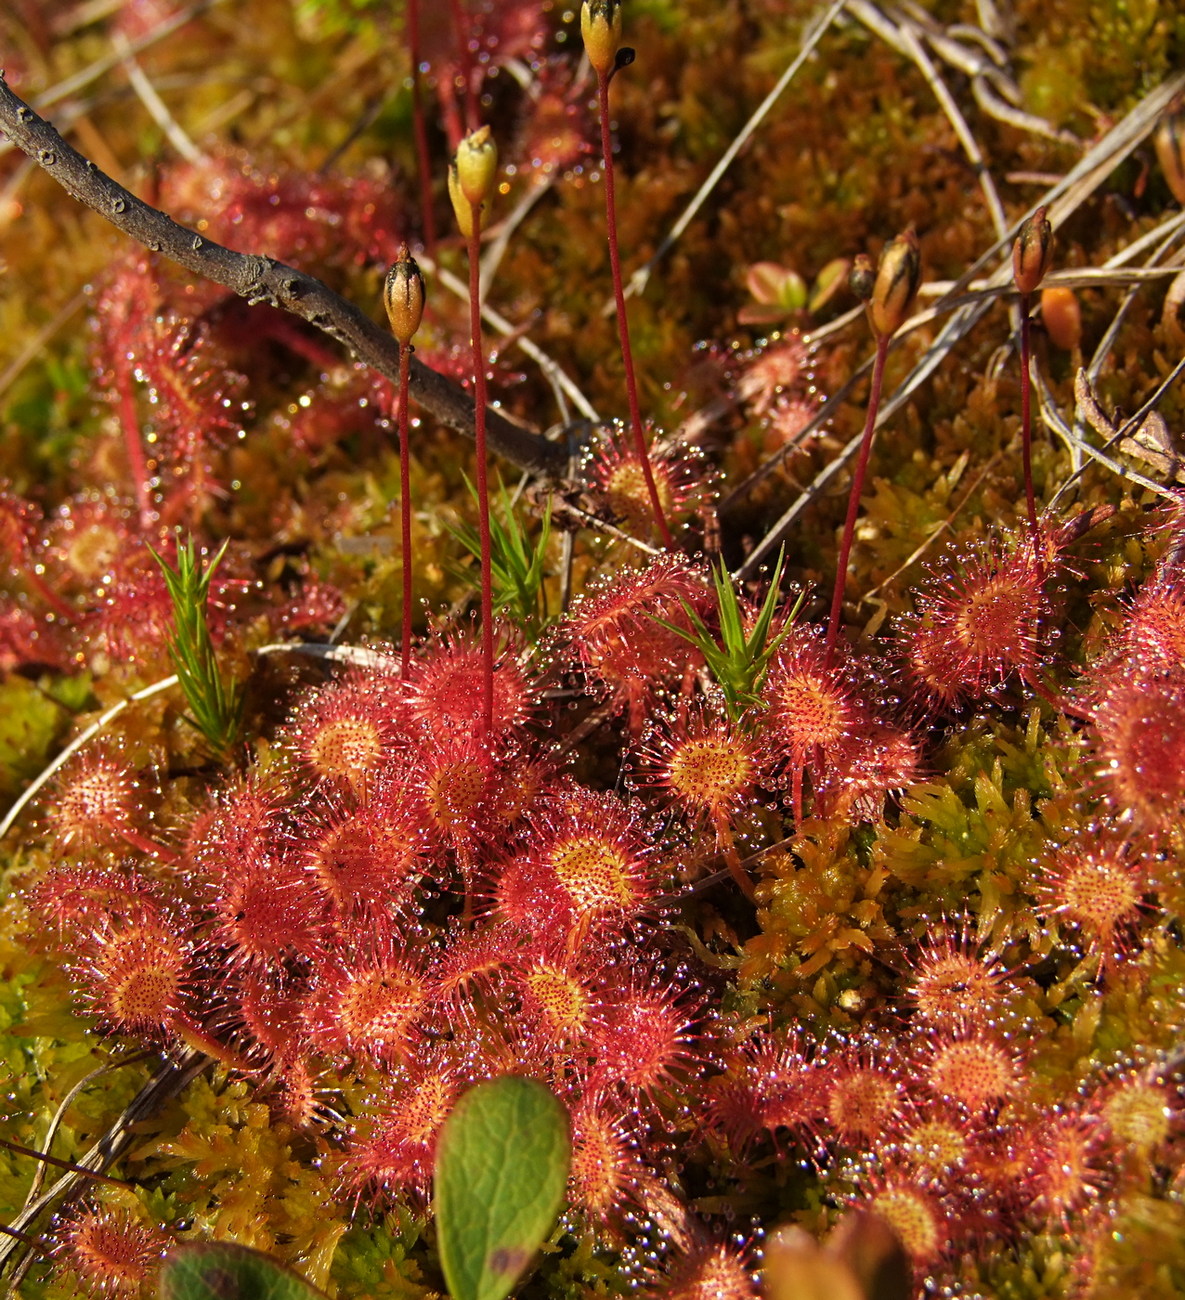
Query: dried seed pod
[403,297]
[1170,152]
[600,26]
[897,275]
[1032,252]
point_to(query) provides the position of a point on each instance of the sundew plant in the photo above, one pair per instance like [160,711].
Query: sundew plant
[636,547]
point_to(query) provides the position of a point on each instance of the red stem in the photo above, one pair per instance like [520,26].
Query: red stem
[623,328]
[849,528]
[135,448]
[465,60]
[420,129]
[483,496]
[405,506]
[1026,422]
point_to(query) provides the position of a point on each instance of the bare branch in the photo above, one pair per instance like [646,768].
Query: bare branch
[264,280]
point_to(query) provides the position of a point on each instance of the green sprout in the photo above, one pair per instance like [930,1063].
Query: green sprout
[737,662]
[516,563]
[216,706]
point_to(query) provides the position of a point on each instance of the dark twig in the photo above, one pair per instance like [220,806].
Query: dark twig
[264,280]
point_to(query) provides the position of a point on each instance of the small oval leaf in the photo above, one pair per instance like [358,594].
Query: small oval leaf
[501,1169]
[220,1270]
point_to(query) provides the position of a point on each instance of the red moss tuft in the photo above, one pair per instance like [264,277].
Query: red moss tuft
[976,1069]
[605,1168]
[392,1145]
[978,621]
[113,1251]
[1140,743]
[133,975]
[368,1003]
[1096,885]
[447,684]
[344,733]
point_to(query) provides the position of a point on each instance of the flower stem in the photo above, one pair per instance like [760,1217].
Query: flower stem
[623,329]
[1026,422]
[419,129]
[483,497]
[849,528]
[405,507]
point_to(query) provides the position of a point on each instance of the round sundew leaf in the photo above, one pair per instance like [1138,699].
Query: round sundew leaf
[220,1270]
[501,1169]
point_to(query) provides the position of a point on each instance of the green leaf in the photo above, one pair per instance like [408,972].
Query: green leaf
[501,1170]
[220,1270]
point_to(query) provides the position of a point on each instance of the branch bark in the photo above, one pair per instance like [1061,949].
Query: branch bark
[261,279]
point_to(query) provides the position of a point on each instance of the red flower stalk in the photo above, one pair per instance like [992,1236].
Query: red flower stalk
[1031,255]
[446,695]
[619,478]
[600,24]
[471,183]
[888,300]
[403,294]
[420,129]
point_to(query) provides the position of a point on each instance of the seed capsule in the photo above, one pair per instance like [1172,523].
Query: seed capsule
[1170,152]
[1032,252]
[897,276]
[403,297]
[600,25]
[477,165]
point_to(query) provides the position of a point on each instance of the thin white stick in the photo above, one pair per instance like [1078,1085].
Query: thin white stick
[153,102]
